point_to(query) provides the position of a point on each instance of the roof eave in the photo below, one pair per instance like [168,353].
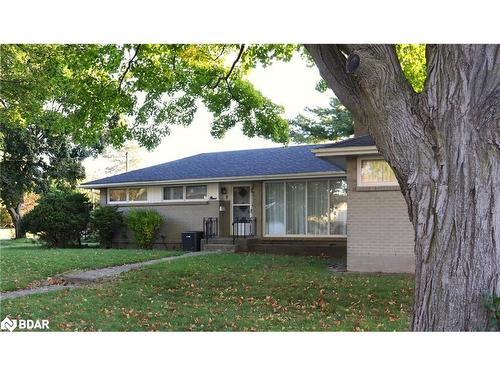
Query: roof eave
[345,151]
[215,179]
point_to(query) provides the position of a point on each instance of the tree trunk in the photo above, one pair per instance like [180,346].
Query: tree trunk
[16,216]
[444,147]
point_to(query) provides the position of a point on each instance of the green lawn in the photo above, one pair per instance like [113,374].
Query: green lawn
[228,292]
[24,263]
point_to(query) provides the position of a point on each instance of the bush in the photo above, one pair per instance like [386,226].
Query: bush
[59,218]
[493,306]
[144,225]
[104,222]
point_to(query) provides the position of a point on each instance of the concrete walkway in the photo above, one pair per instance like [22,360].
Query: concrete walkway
[77,279]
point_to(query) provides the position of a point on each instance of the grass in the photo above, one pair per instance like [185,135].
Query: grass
[24,262]
[228,292]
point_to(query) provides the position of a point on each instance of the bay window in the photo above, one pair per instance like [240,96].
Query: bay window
[306,208]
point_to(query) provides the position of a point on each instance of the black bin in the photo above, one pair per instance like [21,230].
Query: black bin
[191,241]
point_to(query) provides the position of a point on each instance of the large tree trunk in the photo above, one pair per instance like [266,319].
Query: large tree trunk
[444,147]
[16,216]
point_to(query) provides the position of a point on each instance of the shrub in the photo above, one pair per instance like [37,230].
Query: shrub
[59,218]
[144,225]
[104,222]
[493,306]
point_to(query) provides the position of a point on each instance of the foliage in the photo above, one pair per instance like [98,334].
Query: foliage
[320,124]
[59,218]
[230,292]
[144,225]
[5,220]
[137,91]
[33,159]
[28,264]
[413,62]
[493,306]
[104,222]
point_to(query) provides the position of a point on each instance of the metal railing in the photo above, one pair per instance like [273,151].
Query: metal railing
[244,227]
[210,227]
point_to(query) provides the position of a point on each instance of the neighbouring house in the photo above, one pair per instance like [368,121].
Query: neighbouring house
[339,199]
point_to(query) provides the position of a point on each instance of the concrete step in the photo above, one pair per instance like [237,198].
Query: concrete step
[218,246]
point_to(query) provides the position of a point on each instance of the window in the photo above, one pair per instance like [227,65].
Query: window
[375,172]
[275,208]
[137,194]
[128,195]
[196,192]
[295,207]
[317,208]
[338,206]
[117,195]
[306,208]
[173,193]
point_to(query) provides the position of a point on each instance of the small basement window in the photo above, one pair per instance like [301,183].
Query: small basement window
[117,195]
[137,194]
[375,172]
[196,192]
[173,193]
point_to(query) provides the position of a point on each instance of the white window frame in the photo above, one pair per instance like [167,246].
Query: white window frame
[196,199]
[173,186]
[183,194]
[306,235]
[360,183]
[127,197]
[117,202]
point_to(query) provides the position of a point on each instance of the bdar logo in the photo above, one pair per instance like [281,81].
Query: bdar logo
[8,324]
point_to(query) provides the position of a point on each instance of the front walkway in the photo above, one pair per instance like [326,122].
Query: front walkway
[77,279]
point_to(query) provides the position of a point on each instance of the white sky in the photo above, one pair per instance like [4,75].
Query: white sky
[291,85]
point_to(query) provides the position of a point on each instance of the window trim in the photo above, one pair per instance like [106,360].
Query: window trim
[127,196]
[137,201]
[184,199]
[196,199]
[173,200]
[117,202]
[360,183]
[306,235]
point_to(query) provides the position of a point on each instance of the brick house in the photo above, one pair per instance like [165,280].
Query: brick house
[339,199]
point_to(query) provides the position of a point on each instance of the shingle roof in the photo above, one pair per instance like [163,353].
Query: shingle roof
[259,162]
[364,140]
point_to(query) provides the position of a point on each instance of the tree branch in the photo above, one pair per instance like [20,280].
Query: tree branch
[240,53]
[129,66]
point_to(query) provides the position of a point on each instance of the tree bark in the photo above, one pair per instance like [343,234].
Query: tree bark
[16,216]
[444,147]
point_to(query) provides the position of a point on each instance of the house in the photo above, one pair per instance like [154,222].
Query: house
[338,199]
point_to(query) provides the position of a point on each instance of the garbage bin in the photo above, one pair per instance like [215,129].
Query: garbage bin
[191,241]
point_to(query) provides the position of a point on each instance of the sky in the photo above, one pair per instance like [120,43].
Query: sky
[291,85]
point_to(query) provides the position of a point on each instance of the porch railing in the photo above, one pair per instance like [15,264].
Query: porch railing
[244,227]
[210,227]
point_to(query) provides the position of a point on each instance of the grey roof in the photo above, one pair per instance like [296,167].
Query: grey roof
[259,162]
[364,140]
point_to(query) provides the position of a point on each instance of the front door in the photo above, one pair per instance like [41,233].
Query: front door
[241,207]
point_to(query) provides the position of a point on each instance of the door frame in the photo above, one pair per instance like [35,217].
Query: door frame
[250,204]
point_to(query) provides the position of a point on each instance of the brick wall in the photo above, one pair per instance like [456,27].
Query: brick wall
[380,235]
